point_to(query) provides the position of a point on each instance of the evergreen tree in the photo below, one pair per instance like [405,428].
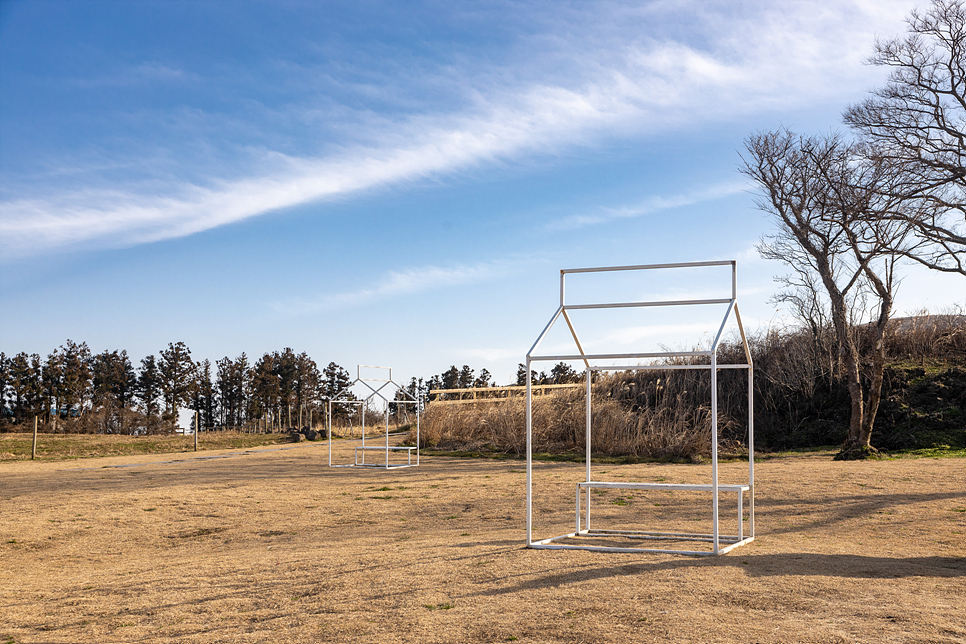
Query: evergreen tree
[149,385]
[536,378]
[113,379]
[51,378]
[485,379]
[563,374]
[203,395]
[307,379]
[75,383]
[266,391]
[4,382]
[465,380]
[521,375]
[232,382]
[334,380]
[113,383]
[177,371]
[285,367]
[450,379]
[25,386]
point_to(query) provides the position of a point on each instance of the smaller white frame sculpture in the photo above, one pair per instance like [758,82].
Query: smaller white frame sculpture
[720,543]
[376,387]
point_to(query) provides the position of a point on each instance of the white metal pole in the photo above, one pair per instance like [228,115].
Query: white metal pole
[751,451]
[529,423]
[387,435]
[734,280]
[714,448]
[577,530]
[418,396]
[328,425]
[587,449]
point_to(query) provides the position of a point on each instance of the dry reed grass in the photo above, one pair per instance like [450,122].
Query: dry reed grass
[671,430]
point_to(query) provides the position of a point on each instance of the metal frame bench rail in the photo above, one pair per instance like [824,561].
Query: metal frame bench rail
[383,448]
[637,534]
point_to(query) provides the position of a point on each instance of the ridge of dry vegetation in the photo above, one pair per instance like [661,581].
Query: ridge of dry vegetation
[800,401]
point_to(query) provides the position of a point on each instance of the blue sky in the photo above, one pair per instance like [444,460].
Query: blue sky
[395,183]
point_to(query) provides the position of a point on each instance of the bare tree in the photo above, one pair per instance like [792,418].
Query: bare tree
[918,122]
[828,198]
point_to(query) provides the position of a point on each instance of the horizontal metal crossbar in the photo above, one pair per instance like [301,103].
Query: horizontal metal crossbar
[624,356]
[651,534]
[605,269]
[469,390]
[661,486]
[630,305]
[666,367]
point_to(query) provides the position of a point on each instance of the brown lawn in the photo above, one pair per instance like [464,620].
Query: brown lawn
[272,546]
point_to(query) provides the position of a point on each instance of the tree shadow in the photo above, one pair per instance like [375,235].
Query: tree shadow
[771,565]
[841,508]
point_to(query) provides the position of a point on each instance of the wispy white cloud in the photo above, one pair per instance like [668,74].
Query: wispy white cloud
[775,57]
[142,73]
[395,284]
[491,354]
[647,206]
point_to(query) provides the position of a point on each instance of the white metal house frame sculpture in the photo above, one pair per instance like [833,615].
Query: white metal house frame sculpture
[376,388]
[720,543]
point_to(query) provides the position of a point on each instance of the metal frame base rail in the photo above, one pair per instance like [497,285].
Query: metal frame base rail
[387,465]
[587,486]
[732,541]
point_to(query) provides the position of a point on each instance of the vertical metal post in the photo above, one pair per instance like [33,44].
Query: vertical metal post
[328,427]
[196,431]
[530,449]
[587,449]
[33,449]
[418,405]
[714,447]
[387,434]
[734,280]
[751,451]
[577,530]
[362,407]
[741,523]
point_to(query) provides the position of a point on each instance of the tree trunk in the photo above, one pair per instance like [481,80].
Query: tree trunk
[853,380]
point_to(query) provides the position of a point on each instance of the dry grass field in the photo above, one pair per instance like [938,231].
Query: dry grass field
[269,545]
[17,446]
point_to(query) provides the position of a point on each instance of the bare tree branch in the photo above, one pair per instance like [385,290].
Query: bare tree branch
[917,123]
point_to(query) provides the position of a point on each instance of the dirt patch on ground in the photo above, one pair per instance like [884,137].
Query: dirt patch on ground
[270,545]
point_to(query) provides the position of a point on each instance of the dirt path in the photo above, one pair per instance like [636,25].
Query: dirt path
[271,546]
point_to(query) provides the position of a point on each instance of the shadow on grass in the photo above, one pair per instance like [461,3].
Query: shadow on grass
[772,565]
[821,513]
